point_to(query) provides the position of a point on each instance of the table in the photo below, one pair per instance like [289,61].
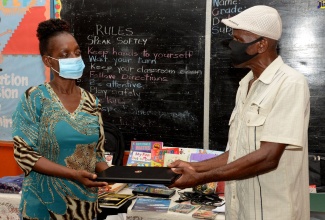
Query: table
[9,206]
[138,215]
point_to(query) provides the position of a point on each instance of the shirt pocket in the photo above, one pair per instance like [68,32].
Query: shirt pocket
[255,120]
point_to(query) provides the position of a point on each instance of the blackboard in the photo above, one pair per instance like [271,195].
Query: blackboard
[302,46]
[145,62]
[173,111]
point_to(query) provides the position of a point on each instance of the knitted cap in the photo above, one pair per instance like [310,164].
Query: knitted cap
[261,20]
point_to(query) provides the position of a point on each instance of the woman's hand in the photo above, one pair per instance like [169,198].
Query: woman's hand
[87,179]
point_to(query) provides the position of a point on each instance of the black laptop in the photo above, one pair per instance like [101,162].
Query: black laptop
[133,174]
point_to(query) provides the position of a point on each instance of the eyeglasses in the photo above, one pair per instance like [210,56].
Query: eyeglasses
[198,198]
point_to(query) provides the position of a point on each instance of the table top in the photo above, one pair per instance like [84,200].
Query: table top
[131,214]
[9,205]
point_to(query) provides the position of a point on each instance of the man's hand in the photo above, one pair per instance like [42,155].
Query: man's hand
[188,178]
[180,163]
[87,179]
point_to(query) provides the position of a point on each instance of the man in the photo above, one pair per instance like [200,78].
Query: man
[265,163]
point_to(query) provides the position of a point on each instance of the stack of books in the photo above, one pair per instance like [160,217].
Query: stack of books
[155,154]
[140,152]
[151,204]
[114,200]
[111,188]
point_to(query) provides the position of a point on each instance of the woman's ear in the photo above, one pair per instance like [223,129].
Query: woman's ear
[46,60]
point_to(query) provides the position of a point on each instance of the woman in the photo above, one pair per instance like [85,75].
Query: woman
[58,135]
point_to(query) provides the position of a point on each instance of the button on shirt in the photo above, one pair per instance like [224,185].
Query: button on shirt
[276,109]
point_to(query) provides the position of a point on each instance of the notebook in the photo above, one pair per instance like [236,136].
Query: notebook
[133,174]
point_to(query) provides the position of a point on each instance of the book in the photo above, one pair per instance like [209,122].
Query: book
[154,191]
[206,188]
[189,151]
[145,146]
[135,185]
[196,157]
[169,158]
[158,155]
[215,152]
[186,152]
[182,208]
[137,158]
[111,188]
[151,204]
[205,212]
[114,200]
[109,158]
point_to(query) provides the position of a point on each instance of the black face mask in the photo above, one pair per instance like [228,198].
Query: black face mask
[238,51]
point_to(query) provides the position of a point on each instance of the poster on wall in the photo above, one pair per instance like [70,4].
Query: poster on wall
[20,63]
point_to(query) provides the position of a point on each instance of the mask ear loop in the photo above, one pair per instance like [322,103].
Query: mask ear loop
[52,67]
[55,70]
[53,58]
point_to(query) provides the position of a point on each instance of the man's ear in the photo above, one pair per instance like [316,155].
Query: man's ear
[47,60]
[262,45]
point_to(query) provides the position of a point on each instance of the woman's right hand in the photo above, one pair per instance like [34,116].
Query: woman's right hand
[87,179]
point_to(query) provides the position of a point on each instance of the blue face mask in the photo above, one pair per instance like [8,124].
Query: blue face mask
[70,68]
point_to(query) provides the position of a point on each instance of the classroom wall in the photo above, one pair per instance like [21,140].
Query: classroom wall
[302,46]
[8,165]
[189,110]
[20,66]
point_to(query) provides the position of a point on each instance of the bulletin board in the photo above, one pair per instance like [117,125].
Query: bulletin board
[21,65]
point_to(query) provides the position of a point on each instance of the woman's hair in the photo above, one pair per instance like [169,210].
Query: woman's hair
[48,29]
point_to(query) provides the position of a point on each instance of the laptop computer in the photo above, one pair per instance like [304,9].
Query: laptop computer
[133,174]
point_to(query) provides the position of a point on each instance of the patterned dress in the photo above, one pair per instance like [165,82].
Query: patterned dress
[42,127]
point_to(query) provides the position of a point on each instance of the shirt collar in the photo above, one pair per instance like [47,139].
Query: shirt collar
[267,75]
